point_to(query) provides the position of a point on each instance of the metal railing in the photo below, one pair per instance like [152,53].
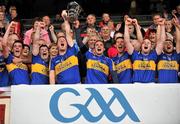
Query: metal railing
[144,21]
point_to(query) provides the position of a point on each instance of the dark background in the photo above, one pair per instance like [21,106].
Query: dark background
[33,8]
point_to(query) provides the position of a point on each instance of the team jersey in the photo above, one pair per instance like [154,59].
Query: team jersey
[66,67]
[4,78]
[144,66]
[98,68]
[18,72]
[168,67]
[123,68]
[40,71]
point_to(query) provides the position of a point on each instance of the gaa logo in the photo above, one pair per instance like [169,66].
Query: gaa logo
[83,108]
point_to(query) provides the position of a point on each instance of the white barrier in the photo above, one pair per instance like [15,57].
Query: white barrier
[97,104]
[4,105]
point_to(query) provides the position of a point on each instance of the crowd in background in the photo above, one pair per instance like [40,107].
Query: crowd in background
[92,53]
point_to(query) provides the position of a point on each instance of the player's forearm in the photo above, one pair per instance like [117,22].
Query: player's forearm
[52,77]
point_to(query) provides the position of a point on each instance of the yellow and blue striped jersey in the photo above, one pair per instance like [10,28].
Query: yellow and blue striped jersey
[168,67]
[144,66]
[98,68]
[66,67]
[39,71]
[18,72]
[123,68]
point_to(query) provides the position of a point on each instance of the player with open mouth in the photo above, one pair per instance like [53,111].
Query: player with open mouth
[99,67]
[64,67]
[168,64]
[40,63]
[144,61]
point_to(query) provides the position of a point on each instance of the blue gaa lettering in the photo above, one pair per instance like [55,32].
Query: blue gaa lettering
[83,109]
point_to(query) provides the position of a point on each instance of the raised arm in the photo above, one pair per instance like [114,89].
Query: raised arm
[67,28]
[6,49]
[177,40]
[162,38]
[128,44]
[158,33]
[176,23]
[138,30]
[36,38]
[35,48]
[54,37]
[36,34]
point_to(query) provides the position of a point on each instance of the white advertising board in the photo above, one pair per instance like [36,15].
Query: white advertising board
[97,104]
